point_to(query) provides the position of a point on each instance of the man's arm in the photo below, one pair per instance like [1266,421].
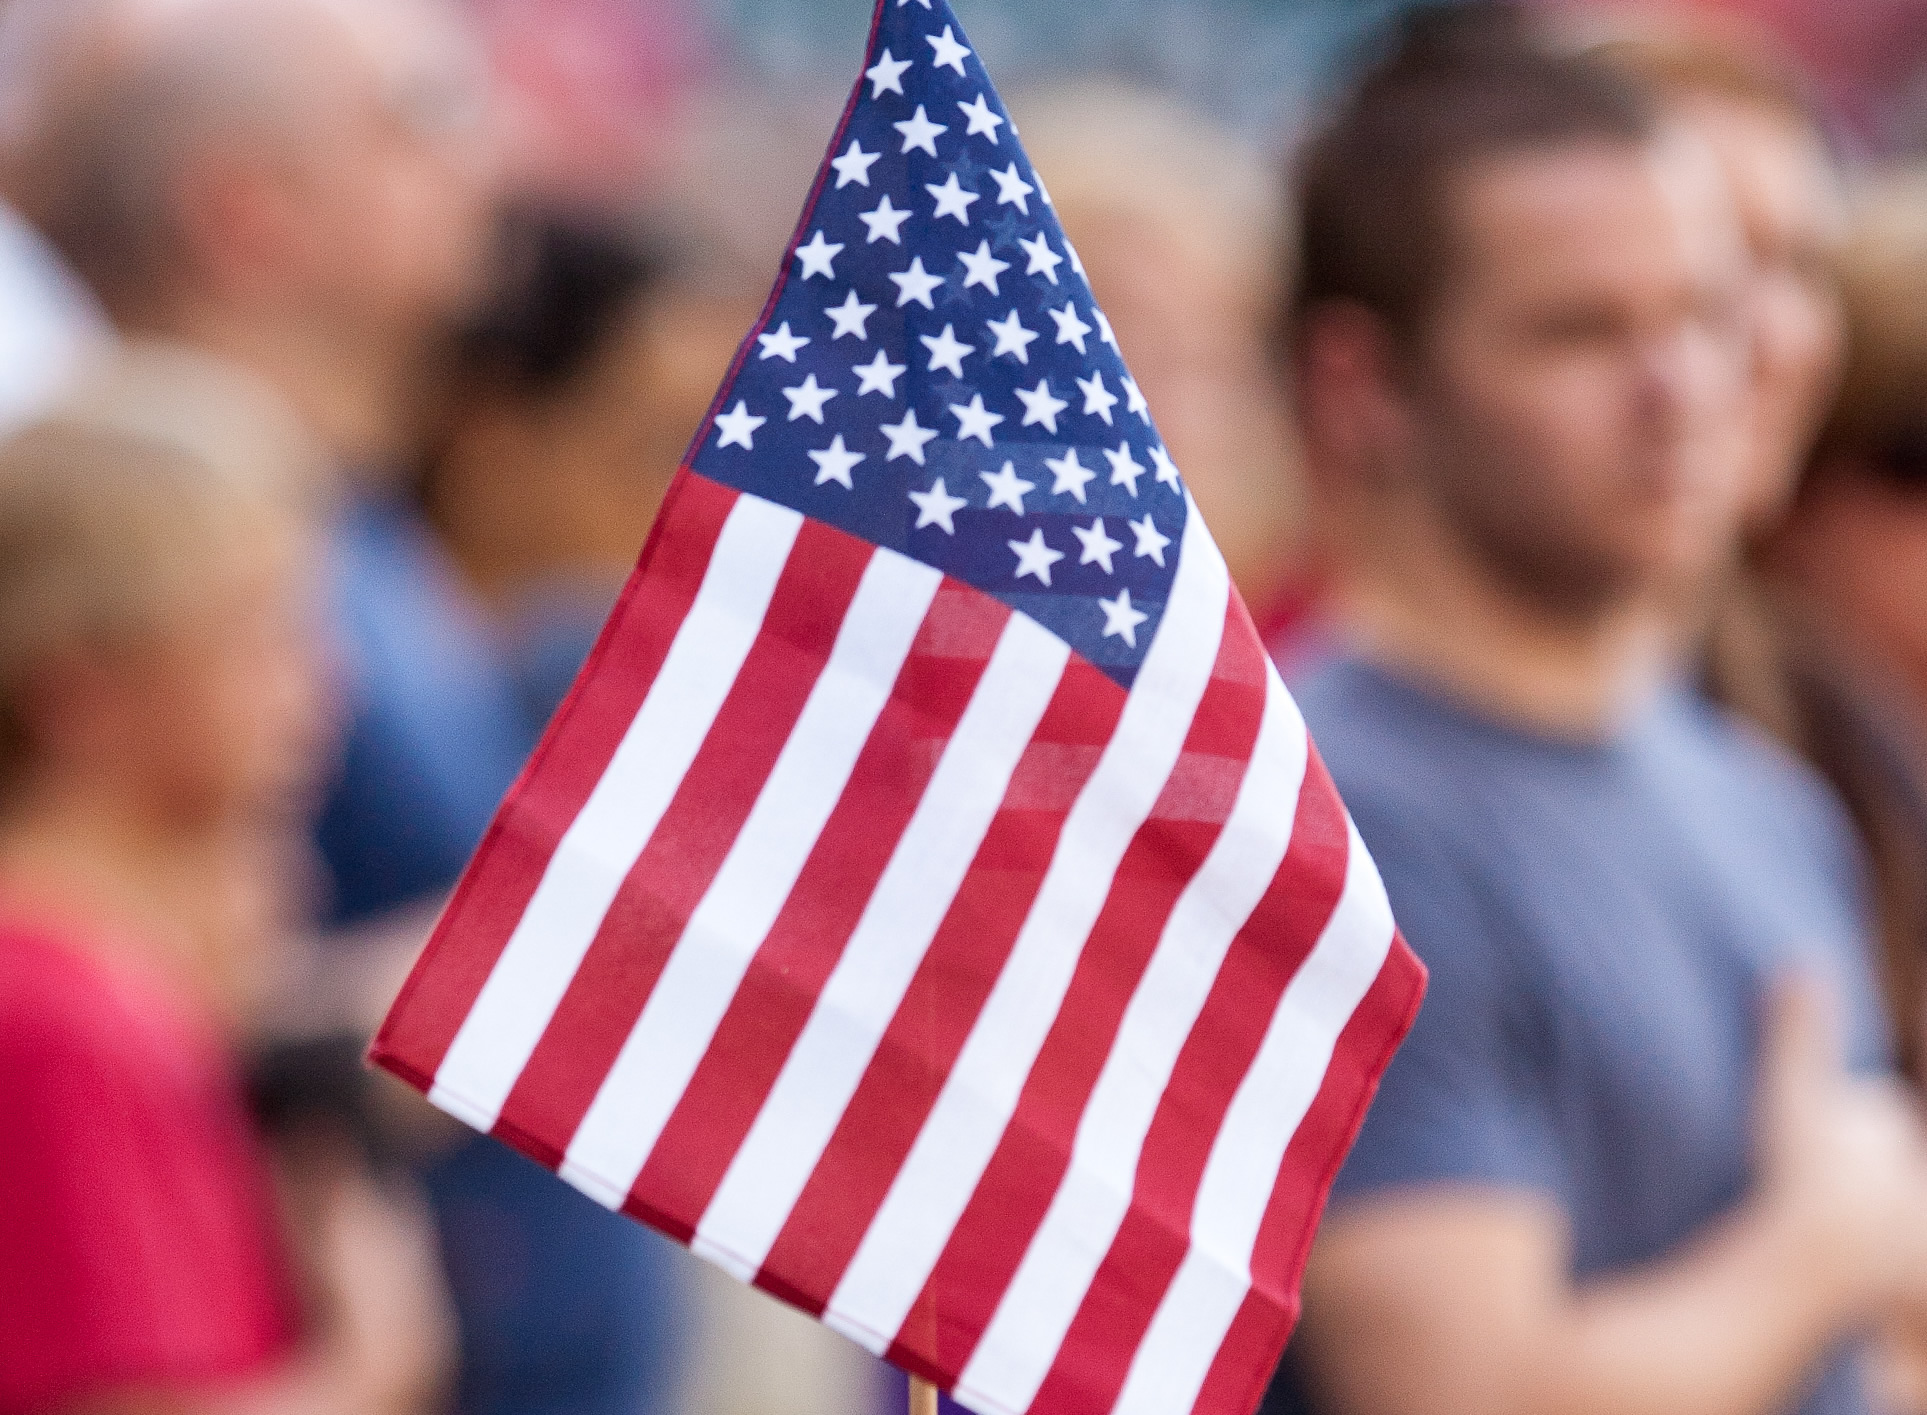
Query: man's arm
[1458,1301]
[384,1336]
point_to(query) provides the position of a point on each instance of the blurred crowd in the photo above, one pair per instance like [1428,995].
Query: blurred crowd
[1556,389]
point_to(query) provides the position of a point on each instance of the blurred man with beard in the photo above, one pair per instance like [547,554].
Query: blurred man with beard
[1637,1157]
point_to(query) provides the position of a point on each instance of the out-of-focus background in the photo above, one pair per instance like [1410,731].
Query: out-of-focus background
[459,280]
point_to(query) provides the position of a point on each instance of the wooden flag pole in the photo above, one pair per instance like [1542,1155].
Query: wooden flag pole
[923,1397]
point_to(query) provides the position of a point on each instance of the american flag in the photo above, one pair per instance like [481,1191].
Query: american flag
[928,905]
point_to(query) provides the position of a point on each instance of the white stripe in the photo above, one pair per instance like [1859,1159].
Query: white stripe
[1171,1363]
[740,906]
[1036,1310]
[902,916]
[915,1220]
[622,812]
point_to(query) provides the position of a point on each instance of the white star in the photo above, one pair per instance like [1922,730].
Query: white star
[916,283]
[1006,488]
[952,200]
[807,399]
[984,267]
[736,427]
[1040,404]
[1104,328]
[852,317]
[906,438]
[1012,338]
[854,166]
[886,75]
[1098,545]
[1070,250]
[877,376]
[1125,469]
[974,420]
[936,506]
[948,51]
[1072,475]
[818,257]
[1150,540]
[1134,400]
[1167,469]
[833,463]
[919,131]
[1097,398]
[1071,328]
[1043,260]
[1012,189]
[782,344]
[1120,619]
[947,351]
[982,120]
[1034,557]
[885,221]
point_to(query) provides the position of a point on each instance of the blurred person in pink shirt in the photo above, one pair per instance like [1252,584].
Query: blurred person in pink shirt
[305,191]
[162,723]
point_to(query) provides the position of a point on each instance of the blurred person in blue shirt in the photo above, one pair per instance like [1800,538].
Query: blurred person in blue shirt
[303,190]
[1637,1156]
[570,401]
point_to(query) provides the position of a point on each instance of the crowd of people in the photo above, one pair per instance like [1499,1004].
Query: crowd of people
[1561,408]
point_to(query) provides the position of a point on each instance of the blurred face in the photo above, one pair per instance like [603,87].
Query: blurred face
[394,178]
[222,715]
[1791,209]
[1191,315]
[565,484]
[209,731]
[1576,396]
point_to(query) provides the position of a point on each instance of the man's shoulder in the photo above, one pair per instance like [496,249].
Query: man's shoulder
[1414,773]
[1733,769]
[1394,753]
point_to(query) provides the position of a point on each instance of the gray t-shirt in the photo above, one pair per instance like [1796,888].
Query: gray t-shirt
[1600,921]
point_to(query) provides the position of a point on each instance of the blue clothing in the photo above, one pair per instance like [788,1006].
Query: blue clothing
[1600,921]
[564,1307]
[437,730]
[555,627]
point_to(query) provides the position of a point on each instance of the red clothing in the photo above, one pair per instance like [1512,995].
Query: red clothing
[137,1243]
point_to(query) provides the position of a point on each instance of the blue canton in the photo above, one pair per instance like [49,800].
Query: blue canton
[934,375]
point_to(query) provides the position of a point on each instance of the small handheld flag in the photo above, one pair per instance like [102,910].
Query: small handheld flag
[928,904]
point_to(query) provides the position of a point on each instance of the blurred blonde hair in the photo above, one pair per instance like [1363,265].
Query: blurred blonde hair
[120,506]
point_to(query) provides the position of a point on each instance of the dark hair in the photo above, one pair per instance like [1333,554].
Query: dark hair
[1459,85]
[567,281]
[1877,426]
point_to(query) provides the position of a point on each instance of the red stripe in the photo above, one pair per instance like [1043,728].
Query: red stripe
[790,969]
[1151,1243]
[670,876]
[1257,1336]
[985,1249]
[574,752]
[930,1026]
